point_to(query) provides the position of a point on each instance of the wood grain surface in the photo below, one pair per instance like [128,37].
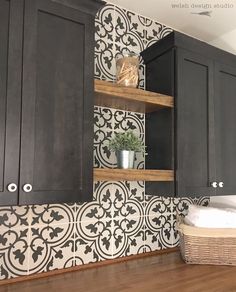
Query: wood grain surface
[165,273]
[127,98]
[116,174]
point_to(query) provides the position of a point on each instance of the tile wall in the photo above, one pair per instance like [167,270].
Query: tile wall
[121,220]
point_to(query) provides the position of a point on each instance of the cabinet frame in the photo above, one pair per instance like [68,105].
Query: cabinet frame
[19,99]
[164,62]
[10,126]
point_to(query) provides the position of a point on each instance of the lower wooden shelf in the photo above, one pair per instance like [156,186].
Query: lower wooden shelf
[115,174]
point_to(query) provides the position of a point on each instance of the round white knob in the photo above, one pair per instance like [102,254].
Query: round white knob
[27,188]
[12,187]
[214,184]
[221,184]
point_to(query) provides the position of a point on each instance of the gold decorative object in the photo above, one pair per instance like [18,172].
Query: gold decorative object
[127,70]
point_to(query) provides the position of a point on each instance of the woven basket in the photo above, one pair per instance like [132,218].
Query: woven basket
[214,246]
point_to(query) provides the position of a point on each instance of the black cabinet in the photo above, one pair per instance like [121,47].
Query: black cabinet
[11,34]
[47,100]
[225,131]
[194,117]
[203,144]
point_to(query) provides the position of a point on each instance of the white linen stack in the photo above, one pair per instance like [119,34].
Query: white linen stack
[210,217]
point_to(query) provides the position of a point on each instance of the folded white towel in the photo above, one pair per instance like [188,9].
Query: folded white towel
[210,217]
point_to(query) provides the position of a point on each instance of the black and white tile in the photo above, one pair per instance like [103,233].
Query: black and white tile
[51,247]
[105,67]
[14,240]
[128,201]
[128,236]
[158,223]
[155,31]
[14,252]
[53,214]
[130,37]
[14,217]
[103,133]
[180,209]
[108,122]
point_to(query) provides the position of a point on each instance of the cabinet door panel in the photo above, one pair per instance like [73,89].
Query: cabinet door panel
[225,128]
[57,104]
[195,154]
[11,27]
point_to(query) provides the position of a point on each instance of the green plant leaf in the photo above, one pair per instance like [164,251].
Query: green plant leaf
[126,141]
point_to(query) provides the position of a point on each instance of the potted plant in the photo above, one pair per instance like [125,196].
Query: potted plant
[126,145]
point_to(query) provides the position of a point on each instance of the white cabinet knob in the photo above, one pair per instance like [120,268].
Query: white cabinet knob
[12,187]
[214,184]
[27,188]
[221,184]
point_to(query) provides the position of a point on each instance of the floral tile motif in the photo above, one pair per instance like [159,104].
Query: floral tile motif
[51,247]
[14,252]
[93,241]
[52,214]
[136,191]
[129,36]
[14,239]
[103,156]
[103,118]
[157,205]
[180,205]
[155,31]
[139,160]
[175,235]
[142,72]
[107,123]
[129,31]
[103,131]
[128,236]
[180,208]
[158,232]
[124,121]
[104,44]
[14,216]
[101,208]
[125,203]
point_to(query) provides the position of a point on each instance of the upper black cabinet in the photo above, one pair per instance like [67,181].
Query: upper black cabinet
[47,52]
[11,34]
[194,161]
[225,131]
[201,138]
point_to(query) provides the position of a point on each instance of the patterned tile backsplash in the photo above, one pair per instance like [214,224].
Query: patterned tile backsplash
[121,220]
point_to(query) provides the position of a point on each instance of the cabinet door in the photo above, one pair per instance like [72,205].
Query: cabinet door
[57,104]
[195,122]
[225,128]
[11,27]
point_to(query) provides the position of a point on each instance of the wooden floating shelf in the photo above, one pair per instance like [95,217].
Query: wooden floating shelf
[115,174]
[112,95]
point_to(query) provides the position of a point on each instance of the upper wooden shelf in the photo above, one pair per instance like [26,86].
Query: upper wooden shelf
[112,95]
[115,174]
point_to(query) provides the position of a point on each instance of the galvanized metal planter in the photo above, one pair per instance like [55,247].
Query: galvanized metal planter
[125,159]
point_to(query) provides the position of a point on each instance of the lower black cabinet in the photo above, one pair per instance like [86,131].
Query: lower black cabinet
[52,149]
[203,81]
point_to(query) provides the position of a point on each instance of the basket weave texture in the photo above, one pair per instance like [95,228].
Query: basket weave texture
[207,245]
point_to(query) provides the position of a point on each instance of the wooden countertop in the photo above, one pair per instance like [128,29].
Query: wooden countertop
[164,273]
